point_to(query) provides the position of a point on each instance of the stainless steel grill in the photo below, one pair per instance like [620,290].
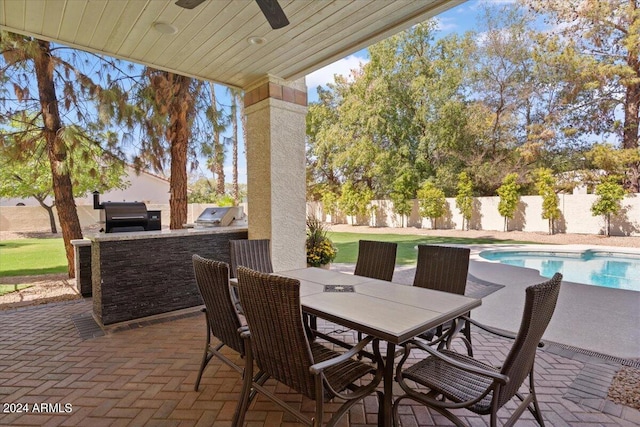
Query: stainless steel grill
[218,216]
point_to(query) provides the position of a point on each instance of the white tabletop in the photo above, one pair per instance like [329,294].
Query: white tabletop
[389,311]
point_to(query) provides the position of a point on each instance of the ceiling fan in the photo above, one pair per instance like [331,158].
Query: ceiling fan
[270,8]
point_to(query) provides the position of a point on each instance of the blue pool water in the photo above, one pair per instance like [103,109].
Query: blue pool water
[591,267]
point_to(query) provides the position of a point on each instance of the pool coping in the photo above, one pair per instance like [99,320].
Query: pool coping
[476,249]
[570,249]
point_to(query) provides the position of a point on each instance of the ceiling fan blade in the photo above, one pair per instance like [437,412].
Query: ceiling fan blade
[273,12]
[188,4]
[270,8]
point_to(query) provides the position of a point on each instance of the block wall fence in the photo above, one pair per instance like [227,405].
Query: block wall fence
[576,216]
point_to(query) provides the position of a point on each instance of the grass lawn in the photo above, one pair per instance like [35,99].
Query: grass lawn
[29,257]
[347,244]
[7,289]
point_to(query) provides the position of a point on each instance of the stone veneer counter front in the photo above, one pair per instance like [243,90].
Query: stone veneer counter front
[141,274]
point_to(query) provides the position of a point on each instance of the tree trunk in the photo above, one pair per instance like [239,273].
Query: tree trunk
[52,219]
[243,121]
[218,147]
[49,209]
[220,190]
[234,120]
[178,134]
[632,104]
[630,132]
[57,153]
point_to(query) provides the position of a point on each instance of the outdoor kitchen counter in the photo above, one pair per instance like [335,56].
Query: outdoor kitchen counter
[146,273]
[159,234]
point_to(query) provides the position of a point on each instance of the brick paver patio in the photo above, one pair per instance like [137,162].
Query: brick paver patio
[143,375]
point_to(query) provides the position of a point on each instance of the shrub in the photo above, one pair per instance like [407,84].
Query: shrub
[320,249]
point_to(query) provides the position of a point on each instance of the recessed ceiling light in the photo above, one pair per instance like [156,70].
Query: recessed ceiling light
[164,28]
[255,40]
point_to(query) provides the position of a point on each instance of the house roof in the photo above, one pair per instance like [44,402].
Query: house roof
[147,172]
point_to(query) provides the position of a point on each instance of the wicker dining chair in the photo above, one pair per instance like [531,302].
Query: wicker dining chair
[376,260]
[457,380]
[223,322]
[277,343]
[254,254]
[444,268]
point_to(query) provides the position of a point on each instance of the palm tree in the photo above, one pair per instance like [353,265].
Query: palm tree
[168,105]
[236,100]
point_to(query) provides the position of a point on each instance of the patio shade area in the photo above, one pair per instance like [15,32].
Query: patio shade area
[143,375]
[59,368]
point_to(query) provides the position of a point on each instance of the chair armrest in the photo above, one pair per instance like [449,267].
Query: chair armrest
[496,376]
[321,366]
[498,332]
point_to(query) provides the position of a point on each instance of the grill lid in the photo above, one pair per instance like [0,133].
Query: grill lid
[125,216]
[216,216]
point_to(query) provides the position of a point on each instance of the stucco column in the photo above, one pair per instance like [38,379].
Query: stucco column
[276,189]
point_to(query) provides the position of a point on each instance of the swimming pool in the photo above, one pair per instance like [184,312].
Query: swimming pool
[592,267]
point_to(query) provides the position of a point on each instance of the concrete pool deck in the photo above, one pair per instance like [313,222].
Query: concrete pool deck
[593,319]
[597,319]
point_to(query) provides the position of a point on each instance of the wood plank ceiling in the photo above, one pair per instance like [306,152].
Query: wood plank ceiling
[212,40]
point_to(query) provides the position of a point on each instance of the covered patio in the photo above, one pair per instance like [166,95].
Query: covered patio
[142,374]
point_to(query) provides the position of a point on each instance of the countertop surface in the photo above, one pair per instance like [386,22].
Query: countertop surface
[159,234]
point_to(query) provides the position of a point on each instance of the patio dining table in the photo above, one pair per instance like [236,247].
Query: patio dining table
[391,312]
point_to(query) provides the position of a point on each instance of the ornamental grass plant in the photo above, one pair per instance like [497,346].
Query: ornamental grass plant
[320,249]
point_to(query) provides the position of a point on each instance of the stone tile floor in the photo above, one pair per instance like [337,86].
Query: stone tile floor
[143,375]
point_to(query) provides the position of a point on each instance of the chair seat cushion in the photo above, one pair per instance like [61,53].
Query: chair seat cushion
[453,383]
[342,375]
